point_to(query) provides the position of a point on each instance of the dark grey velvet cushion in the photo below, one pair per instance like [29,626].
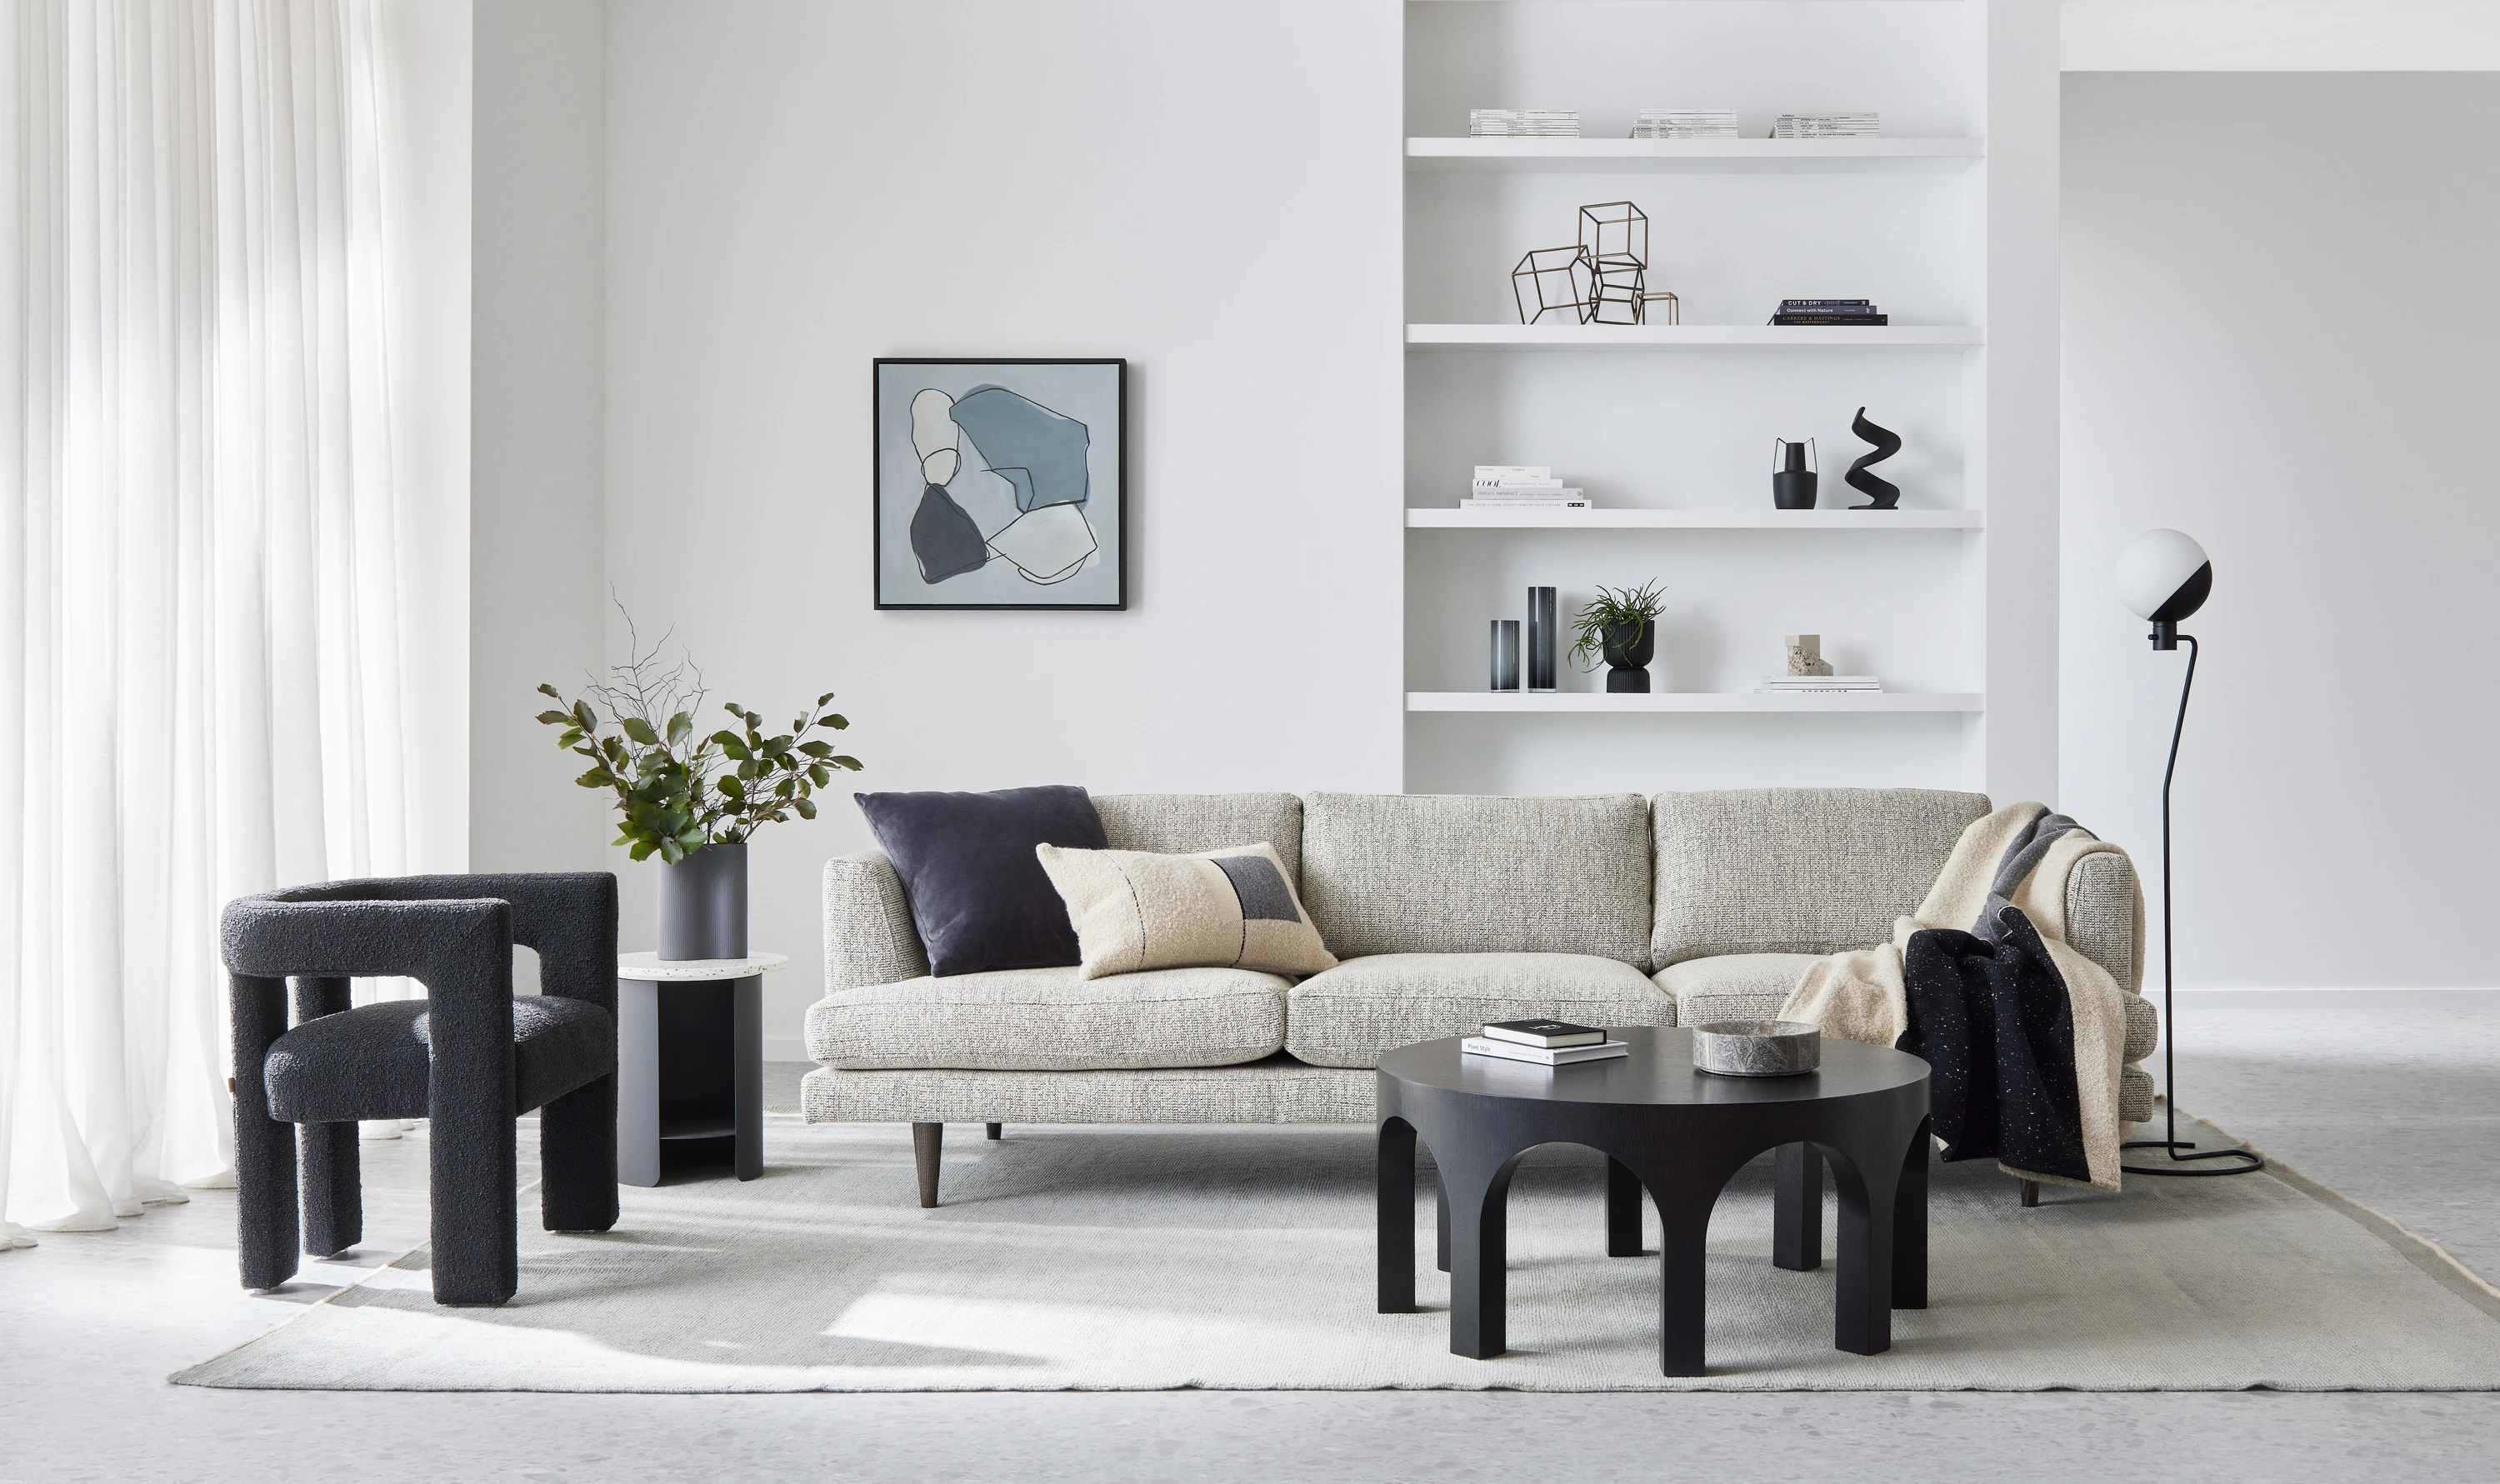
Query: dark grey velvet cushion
[371,1062]
[978,891]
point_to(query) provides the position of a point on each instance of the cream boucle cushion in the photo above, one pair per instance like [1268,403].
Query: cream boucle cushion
[1224,909]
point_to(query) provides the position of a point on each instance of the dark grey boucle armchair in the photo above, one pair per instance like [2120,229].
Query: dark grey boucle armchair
[470,1057]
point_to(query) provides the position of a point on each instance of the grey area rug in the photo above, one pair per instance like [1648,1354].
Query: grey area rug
[1241,1257]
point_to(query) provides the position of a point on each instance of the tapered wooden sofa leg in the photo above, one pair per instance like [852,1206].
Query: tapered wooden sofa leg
[2030,1193]
[994,1130]
[926,1137]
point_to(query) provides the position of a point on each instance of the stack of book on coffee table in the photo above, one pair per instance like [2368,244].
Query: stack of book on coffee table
[1546,1042]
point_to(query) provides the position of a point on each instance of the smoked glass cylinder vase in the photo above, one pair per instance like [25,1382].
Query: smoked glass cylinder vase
[1505,655]
[1540,638]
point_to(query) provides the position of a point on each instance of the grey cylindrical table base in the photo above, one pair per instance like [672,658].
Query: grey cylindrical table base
[690,1063]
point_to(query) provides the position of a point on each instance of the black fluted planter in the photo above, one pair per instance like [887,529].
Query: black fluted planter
[703,904]
[1629,647]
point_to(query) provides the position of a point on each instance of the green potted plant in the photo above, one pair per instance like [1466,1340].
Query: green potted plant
[689,796]
[1619,625]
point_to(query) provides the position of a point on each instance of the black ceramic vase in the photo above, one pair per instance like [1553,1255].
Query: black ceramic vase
[1793,474]
[1629,647]
[703,904]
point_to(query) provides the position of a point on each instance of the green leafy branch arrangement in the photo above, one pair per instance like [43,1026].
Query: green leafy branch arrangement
[677,791]
[1624,607]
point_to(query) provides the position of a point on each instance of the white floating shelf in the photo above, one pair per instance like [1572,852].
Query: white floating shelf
[1891,702]
[1698,336]
[1747,156]
[1444,518]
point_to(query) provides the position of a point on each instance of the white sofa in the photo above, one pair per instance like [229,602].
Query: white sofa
[1447,912]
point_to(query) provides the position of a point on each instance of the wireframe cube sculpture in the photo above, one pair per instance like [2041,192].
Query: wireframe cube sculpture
[1670,306]
[1601,279]
[1561,279]
[1615,234]
[1620,294]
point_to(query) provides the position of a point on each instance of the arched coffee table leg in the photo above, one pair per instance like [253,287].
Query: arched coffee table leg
[1910,1224]
[1796,1209]
[1395,1196]
[1862,1321]
[1683,1287]
[1479,1258]
[1440,1222]
[1624,1197]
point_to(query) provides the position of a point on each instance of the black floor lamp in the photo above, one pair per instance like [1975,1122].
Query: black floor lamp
[2165,577]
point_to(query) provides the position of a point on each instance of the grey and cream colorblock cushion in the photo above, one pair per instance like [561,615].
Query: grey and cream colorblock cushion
[1134,909]
[1349,1015]
[1457,873]
[1732,986]
[1052,1020]
[1192,824]
[1796,869]
[868,934]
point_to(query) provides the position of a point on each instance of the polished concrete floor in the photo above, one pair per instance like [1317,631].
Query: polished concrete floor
[2396,1109]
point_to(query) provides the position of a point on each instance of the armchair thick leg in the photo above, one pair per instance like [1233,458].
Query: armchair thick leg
[476,1238]
[266,1227]
[578,1159]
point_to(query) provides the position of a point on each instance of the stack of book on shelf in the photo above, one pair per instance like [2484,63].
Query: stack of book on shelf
[1816,684]
[1521,487]
[1523,122]
[1545,1042]
[1685,124]
[1829,312]
[1827,126]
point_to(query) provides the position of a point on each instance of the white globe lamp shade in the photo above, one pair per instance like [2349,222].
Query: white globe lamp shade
[2164,576]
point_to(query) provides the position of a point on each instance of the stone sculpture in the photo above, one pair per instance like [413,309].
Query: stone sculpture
[1805,656]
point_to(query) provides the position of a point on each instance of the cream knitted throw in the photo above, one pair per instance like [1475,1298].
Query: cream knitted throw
[1860,994]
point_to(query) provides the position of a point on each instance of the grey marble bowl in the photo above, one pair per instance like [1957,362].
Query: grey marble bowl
[1757,1048]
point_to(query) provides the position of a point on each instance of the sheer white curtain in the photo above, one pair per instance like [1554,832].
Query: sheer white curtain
[201,651]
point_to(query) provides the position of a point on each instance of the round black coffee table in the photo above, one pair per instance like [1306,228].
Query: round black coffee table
[1681,1135]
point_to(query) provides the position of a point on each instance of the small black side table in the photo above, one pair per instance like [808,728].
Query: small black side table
[690,1063]
[1681,1135]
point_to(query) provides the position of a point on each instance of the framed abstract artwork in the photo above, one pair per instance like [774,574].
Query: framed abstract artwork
[1001,483]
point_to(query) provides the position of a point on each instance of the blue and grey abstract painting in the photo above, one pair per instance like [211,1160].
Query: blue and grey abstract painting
[999,484]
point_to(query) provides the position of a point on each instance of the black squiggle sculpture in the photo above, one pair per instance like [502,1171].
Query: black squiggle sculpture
[1886,494]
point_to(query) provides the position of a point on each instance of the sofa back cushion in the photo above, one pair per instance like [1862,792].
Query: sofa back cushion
[1796,869]
[1194,824]
[1460,873]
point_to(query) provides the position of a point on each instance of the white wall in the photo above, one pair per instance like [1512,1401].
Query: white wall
[2281,35]
[537,537]
[2278,339]
[1211,193]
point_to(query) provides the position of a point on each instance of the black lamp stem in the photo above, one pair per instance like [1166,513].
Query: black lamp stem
[2166,636]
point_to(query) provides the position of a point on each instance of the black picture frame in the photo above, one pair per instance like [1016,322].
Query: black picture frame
[890,495]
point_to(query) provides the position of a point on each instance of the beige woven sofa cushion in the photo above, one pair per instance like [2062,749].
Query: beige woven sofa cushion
[1455,874]
[1052,1020]
[1732,986]
[1194,824]
[1349,1015]
[1796,869]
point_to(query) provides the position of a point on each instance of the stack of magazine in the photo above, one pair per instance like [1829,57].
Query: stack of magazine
[1523,122]
[1816,684]
[1545,1042]
[1827,126]
[1829,312]
[1685,124]
[1521,487]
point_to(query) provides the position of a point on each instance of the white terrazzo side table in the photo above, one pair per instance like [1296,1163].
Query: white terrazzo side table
[690,1063]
